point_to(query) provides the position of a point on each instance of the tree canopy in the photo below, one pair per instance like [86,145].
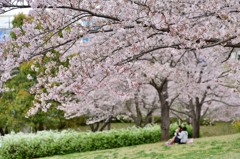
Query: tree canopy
[180,47]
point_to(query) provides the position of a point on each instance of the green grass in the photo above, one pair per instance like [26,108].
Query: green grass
[220,128]
[113,126]
[220,147]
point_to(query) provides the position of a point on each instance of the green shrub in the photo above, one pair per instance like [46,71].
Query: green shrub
[48,143]
[157,119]
[173,120]
[236,125]
[175,125]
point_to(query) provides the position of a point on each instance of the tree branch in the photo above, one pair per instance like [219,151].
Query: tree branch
[180,112]
[219,101]
[63,7]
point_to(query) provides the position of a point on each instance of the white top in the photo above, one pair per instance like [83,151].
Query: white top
[183,136]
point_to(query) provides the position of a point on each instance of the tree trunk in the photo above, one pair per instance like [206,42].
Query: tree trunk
[162,90]
[2,133]
[196,128]
[196,109]
[165,122]
[165,110]
[138,111]
[106,123]
[6,131]
[40,126]
[109,125]
[94,127]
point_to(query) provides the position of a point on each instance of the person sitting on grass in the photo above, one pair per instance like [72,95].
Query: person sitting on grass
[183,136]
[175,138]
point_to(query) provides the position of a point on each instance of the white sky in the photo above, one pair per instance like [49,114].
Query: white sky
[16,11]
[6,18]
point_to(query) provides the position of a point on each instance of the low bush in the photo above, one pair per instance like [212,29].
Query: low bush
[175,125]
[157,119]
[236,125]
[49,143]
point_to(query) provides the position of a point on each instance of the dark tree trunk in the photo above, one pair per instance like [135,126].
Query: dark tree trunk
[137,111]
[101,126]
[165,108]
[196,109]
[40,126]
[196,128]
[106,123]
[165,122]
[136,114]
[194,114]
[62,125]
[2,132]
[95,127]
[109,125]
[138,119]
[6,131]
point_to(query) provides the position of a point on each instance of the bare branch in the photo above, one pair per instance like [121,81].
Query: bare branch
[185,113]
[223,102]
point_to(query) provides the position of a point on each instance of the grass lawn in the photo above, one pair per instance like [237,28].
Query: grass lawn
[219,147]
[113,126]
[220,128]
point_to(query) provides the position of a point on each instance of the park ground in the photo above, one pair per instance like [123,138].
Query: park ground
[225,146]
[220,147]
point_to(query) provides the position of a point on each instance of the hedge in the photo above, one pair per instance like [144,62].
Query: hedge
[49,143]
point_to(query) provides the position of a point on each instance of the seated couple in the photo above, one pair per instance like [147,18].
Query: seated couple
[180,136]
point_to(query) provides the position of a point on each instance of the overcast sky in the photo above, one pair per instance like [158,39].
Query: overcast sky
[5,19]
[16,11]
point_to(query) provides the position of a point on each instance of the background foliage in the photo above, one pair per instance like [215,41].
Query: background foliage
[15,103]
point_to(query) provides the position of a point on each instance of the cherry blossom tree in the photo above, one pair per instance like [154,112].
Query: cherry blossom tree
[100,104]
[224,113]
[142,106]
[208,79]
[124,38]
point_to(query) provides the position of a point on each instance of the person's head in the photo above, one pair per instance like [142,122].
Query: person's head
[179,128]
[184,129]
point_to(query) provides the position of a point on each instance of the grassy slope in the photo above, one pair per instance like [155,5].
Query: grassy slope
[220,128]
[220,147]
